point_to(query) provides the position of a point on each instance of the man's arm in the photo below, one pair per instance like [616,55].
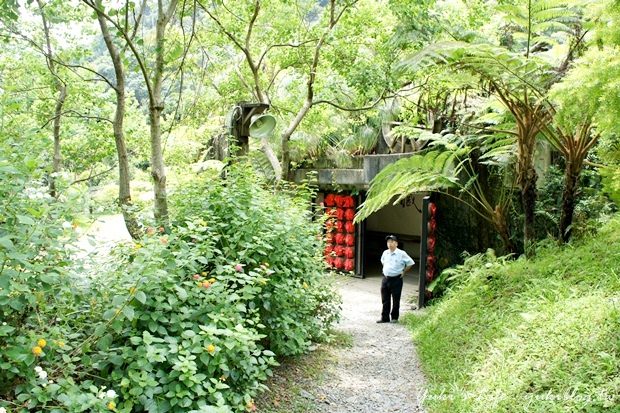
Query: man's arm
[408,264]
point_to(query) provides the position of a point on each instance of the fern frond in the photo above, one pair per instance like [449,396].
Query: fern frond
[418,173]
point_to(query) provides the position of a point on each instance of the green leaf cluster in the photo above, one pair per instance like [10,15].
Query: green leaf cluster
[186,319]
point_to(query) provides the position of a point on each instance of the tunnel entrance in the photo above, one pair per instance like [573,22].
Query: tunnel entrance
[403,220]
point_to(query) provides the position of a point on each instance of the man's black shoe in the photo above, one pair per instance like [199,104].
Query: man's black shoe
[383,321]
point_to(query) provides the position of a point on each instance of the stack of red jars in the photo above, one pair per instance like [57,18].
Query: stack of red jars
[431,258]
[340,232]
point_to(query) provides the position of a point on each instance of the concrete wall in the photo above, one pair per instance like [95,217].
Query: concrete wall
[368,167]
[396,219]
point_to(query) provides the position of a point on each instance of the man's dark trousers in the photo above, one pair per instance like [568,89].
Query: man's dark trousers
[391,287]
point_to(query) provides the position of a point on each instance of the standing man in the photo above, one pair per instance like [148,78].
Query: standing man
[396,263]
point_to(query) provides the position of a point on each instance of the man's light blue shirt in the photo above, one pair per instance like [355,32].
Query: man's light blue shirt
[394,263]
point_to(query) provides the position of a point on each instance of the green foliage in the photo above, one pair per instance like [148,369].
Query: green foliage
[8,11]
[446,164]
[35,277]
[295,306]
[454,277]
[537,22]
[186,320]
[591,207]
[179,339]
[430,171]
[590,90]
[528,335]
[611,183]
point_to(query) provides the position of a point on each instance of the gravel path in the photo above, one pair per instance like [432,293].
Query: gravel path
[380,373]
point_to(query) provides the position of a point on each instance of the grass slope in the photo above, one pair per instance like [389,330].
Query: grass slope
[528,336]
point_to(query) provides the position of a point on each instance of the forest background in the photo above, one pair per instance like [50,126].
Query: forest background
[115,106]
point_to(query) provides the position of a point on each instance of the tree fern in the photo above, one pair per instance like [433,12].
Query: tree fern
[537,21]
[419,173]
[447,165]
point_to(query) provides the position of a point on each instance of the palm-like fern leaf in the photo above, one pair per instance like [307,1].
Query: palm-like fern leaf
[429,171]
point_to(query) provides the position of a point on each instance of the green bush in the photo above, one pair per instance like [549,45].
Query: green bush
[190,319]
[254,226]
[34,263]
[176,339]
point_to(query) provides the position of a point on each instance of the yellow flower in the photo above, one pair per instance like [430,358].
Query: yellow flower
[204,273]
[305,285]
[211,348]
[223,378]
[137,246]
[42,343]
[211,280]
[111,405]
[36,350]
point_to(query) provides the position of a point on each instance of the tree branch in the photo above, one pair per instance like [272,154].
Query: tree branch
[371,106]
[129,42]
[77,115]
[221,26]
[136,24]
[251,24]
[181,66]
[74,66]
[294,45]
[91,176]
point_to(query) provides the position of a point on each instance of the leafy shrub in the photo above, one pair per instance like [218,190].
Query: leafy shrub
[187,320]
[453,277]
[33,259]
[254,226]
[175,339]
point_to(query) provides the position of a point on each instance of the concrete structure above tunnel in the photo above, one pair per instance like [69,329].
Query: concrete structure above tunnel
[368,167]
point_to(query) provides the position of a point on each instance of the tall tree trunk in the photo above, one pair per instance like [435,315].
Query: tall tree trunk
[124,189]
[571,185]
[527,178]
[528,199]
[158,170]
[273,158]
[500,222]
[575,148]
[286,136]
[61,89]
